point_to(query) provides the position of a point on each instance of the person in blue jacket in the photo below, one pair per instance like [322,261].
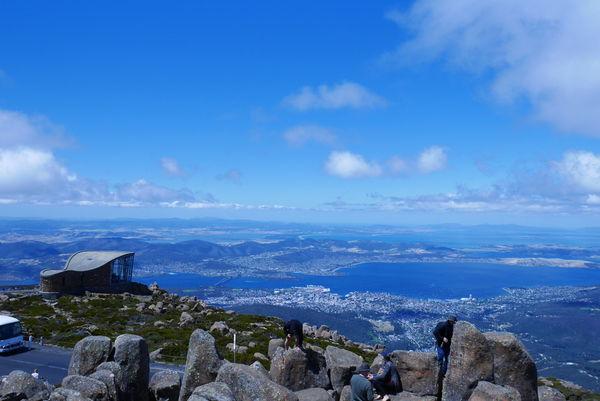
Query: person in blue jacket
[387,380]
[443,339]
[360,386]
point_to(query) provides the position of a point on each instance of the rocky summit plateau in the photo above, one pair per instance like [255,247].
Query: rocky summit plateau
[491,366]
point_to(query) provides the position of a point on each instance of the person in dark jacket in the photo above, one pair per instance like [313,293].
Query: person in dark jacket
[443,338]
[293,328]
[360,386]
[387,380]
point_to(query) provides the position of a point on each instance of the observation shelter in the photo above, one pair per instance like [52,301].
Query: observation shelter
[94,271]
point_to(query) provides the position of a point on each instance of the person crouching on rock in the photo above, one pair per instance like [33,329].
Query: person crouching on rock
[293,328]
[361,387]
[387,380]
[443,338]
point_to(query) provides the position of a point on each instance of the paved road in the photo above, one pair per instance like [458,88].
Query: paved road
[52,363]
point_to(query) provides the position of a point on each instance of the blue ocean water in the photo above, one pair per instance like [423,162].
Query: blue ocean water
[415,280]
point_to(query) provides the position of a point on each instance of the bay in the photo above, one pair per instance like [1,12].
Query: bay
[414,280]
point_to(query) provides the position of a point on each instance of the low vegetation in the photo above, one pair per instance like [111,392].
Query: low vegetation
[570,391]
[65,321]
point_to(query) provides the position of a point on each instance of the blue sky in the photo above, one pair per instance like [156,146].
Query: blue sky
[388,112]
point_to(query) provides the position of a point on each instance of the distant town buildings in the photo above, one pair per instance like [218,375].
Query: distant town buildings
[98,271]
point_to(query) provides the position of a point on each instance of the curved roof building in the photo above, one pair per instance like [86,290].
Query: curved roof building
[89,271]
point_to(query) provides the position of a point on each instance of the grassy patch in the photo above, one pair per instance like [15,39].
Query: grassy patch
[70,318]
[572,394]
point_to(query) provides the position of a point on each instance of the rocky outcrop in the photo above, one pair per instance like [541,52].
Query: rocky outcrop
[115,369]
[202,364]
[20,385]
[546,393]
[88,387]
[247,384]
[108,378]
[299,369]
[212,392]
[165,386]
[470,361]
[63,394]
[219,327]
[185,319]
[260,368]
[314,394]
[512,365]
[273,345]
[131,353]
[418,371]
[341,364]
[408,396]
[486,391]
[88,353]
[345,394]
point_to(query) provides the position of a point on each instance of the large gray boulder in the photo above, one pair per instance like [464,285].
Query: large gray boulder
[314,394]
[259,367]
[471,361]
[117,371]
[486,391]
[513,366]
[165,386]
[247,384]
[408,396]
[112,367]
[418,371]
[346,394]
[64,394]
[273,345]
[214,391]
[88,353]
[546,393]
[341,364]
[131,353]
[202,364]
[21,385]
[108,378]
[299,369]
[88,387]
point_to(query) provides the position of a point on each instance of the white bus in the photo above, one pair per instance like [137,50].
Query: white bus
[11,335]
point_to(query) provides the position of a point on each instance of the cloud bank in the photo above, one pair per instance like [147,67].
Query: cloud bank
[543,52]
[31,173]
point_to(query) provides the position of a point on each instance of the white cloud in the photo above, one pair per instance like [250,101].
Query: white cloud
[432,159]
[301,134]
[346,164]
[350,165]
[593,199]
[18,129]
[30,173]
[581,169]
[171,167]
[545,52]
[344,95]
[25,170]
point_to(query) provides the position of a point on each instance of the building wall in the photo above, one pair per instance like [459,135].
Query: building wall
[74,281]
